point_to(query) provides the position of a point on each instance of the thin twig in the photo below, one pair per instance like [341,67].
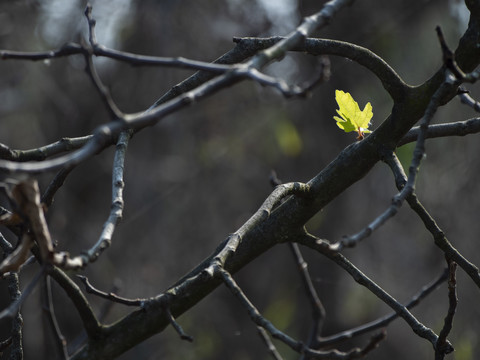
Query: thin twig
[268,342]
[469,101]
[438,235]
[324,248]
[443,347]
[43,152]
[318,311]
[176,325]
[109,296]
[104,133]
[297,346]
[54,186]
[383,321]
[89,320]
[391,81]
[59,339]
[111,106]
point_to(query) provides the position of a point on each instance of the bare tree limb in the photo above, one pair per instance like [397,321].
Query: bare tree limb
[438,235]
[318,311]
[110,296]
[260,321]
[417,327]
[391,81]
[54,186]
[469,101]
[383,321]
[59,339]
[92,327]
[458,128]
[442,346]
[44,152]
[268,342]
[116,211]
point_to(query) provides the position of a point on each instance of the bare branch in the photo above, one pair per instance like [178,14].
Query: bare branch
[116,210]
[274,199]
[177,326]
[391,81]
[438,235]
[44,152]
[291,90]
[383,321]
[458,128]
[49,312]
[318,311]
[109,296]
[89,320]
[417,327]
[443,347]
[409,188]
[260,321]
[268,342]
[138,121]
[54,186]
[466,99]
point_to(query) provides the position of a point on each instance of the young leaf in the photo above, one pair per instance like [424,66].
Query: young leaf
[351,117]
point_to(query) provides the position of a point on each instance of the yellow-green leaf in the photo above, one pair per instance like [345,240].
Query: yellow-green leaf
[351,117]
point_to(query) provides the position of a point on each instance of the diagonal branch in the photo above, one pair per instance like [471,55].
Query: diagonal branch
[438,235]
[92,326]
[402,311]
[442,345]
[383,321]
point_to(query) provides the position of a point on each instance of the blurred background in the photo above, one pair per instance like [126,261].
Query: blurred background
[199,174]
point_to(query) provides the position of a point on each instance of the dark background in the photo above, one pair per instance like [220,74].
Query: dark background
[199,174]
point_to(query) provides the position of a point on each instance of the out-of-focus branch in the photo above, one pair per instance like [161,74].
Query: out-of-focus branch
[43,152]
[139,121]
[54,186]
[14,342]
[14,307]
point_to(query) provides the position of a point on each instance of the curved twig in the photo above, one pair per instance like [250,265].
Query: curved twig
[391,81]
